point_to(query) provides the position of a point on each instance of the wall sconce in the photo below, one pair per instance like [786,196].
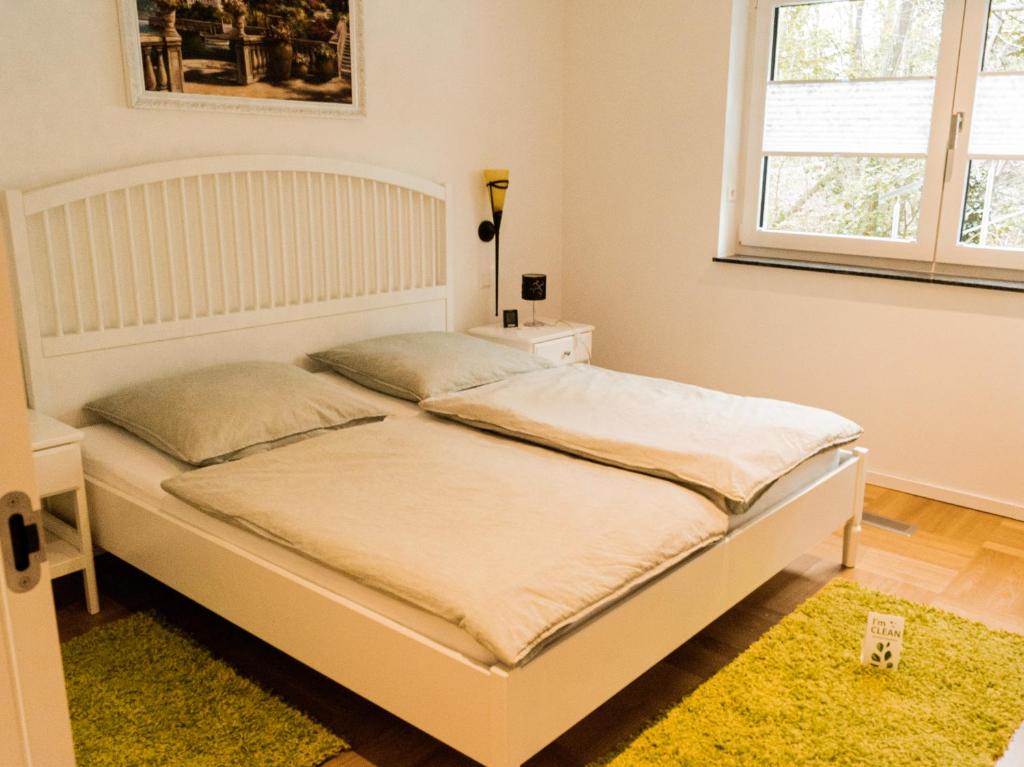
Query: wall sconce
[497,183]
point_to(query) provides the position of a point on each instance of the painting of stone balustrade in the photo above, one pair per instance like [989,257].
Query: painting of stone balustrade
[232,53]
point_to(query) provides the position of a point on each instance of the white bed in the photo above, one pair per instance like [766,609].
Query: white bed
[150,270]
[128,464]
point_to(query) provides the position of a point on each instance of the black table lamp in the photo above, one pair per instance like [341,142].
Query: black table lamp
[535,288]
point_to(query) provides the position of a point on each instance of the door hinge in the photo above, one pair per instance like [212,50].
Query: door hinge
[21,540]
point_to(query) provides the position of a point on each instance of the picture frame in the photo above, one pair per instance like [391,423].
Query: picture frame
[510,318]
[194,54]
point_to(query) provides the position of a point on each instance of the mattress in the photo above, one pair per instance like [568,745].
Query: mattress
[801,476]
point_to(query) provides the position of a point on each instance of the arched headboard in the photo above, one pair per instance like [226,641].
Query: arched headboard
[153,269]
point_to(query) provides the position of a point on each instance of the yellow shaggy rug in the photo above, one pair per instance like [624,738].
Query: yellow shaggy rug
[142,693]
[799,695]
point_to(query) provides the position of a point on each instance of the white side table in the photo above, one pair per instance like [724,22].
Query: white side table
[561,342]
[57,455]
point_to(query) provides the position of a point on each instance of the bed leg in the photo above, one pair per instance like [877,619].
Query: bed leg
[500,736]
[851,533]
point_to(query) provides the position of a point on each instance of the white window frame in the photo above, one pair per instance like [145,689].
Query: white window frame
[924,248]
[950,250]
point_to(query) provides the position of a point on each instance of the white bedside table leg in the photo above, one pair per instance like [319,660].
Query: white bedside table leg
[92,595]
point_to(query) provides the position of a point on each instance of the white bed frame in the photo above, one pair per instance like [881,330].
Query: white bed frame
[149,270]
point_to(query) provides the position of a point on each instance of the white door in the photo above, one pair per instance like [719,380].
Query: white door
[35,730]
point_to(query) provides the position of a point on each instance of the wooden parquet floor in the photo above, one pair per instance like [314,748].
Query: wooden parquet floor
[965,561]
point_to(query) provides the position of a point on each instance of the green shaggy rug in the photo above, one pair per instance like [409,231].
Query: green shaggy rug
[799,696]
[144,694]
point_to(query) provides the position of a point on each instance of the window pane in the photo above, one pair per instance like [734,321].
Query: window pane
[998,115]
[856,196]
[858,39]
[994,214]
[1004,44]
[889,117]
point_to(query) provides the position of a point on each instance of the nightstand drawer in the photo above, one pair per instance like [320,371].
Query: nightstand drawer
[560,350]
[58,469]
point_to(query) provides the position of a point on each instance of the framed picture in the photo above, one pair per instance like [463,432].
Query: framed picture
[269,56]
[510,318]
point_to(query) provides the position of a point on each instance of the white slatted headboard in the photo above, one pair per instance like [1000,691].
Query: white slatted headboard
[154,269]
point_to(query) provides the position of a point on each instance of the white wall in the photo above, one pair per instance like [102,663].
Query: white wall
[935,374]
[453,86]
[630,109]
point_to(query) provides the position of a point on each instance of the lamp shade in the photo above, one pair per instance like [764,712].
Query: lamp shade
[535,287]
[497,181]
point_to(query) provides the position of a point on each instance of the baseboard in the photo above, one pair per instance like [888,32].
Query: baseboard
[948,495]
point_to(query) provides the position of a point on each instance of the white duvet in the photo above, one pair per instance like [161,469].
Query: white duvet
[511,542]
[729,448]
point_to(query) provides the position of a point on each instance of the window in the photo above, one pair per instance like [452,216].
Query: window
[888,128]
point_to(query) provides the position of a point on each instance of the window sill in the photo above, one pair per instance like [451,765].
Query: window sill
[1014,284]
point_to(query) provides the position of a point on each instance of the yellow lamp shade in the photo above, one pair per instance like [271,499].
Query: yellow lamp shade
[497,182]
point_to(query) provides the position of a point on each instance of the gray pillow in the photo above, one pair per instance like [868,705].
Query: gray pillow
[214,414]
[416,366]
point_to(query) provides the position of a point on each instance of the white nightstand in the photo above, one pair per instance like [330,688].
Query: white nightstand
[560,341]
[57,455]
